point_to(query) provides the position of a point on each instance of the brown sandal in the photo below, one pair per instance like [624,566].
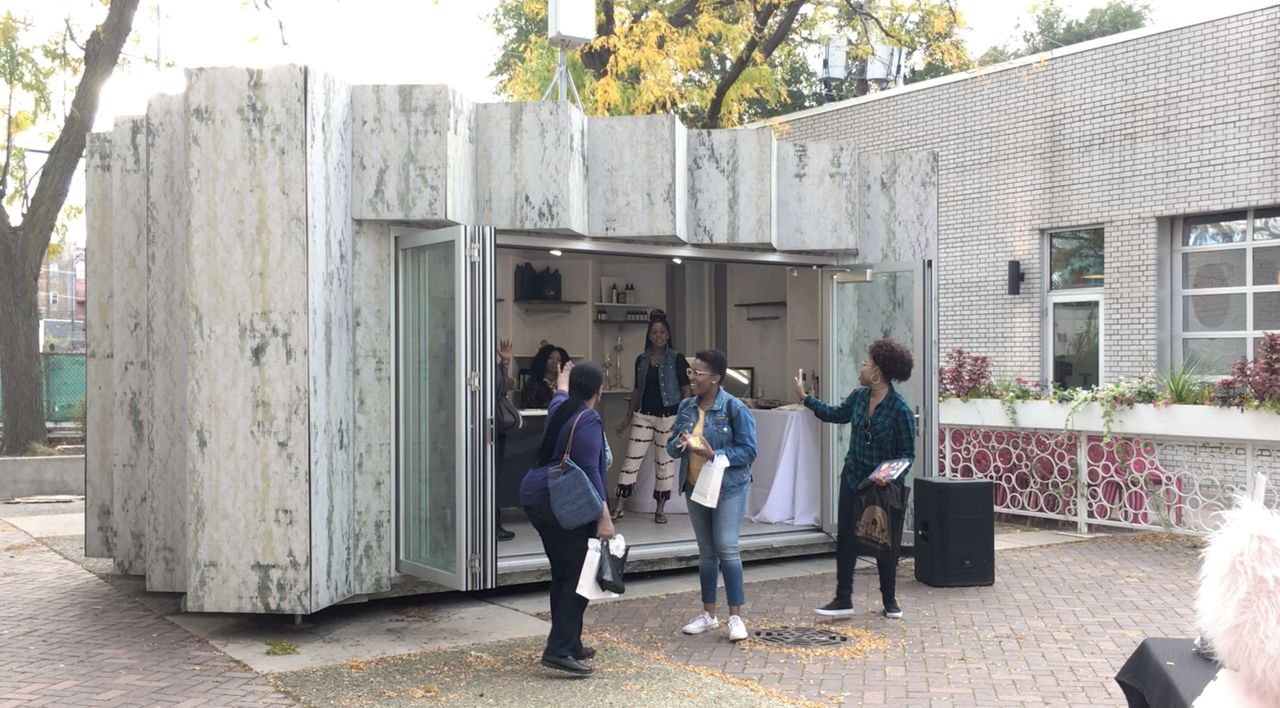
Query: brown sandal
[659,517]
[616,512]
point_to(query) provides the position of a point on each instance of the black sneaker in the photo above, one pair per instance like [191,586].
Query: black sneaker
[892,611]
[839,607]
[505,535]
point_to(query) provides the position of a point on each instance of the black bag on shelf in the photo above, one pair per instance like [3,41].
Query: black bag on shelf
[527,283]
[549,281]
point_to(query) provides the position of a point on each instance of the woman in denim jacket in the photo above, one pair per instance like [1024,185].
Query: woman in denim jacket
[661,383]
[713,422]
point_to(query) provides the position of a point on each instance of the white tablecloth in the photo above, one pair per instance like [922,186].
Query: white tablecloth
[785,483]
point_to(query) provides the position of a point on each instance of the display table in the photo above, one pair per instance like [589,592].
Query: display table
[1165,673]
[786,486]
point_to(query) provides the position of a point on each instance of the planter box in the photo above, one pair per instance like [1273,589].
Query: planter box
[1142,419]
[32,476]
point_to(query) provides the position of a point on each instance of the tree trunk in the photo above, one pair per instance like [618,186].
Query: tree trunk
[19,356]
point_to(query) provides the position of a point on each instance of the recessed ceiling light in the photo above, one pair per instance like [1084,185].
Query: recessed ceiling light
[677,261]
[556,252]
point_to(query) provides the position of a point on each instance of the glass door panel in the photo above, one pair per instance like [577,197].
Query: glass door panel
[889,304]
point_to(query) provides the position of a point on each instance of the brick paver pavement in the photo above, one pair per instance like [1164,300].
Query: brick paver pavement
[1053,630]
[67,638]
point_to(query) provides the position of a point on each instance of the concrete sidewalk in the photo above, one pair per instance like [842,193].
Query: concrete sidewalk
[1064,613]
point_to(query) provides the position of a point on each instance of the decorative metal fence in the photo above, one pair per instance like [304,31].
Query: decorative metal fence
[1157,482]
[62,386]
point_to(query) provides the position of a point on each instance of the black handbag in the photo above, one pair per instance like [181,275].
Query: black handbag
[549,282]
[526,285]
[609,572]
[507,416]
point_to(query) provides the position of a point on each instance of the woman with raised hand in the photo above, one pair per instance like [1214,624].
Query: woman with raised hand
[883,428]
[572,424]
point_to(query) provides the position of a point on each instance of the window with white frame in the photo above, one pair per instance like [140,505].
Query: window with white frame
[53,297]
[1074,307]
[1226,286]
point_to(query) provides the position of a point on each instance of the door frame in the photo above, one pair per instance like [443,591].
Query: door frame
[474,404]
[924,372]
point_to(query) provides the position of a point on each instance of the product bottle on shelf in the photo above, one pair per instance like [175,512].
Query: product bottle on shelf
[613,293]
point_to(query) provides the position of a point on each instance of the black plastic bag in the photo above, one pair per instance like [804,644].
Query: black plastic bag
[609,573]
[874,508]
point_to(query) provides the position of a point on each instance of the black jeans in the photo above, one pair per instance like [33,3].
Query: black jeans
[567,550]
[847,548]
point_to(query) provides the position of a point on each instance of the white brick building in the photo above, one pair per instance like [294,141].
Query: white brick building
[1128,133]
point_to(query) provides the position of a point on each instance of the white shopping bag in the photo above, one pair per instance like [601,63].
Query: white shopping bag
[707,491]
[587,585]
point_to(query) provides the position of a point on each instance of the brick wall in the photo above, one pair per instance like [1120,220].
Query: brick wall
[1122,134]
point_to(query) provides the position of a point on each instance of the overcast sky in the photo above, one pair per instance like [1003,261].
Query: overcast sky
[401,41]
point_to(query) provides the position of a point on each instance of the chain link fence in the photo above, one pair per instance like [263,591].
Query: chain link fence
[62,387]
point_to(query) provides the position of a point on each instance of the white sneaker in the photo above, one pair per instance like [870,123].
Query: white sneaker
[702,623]
[737,630]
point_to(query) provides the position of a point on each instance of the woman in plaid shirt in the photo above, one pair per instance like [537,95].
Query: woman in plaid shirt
[884,428]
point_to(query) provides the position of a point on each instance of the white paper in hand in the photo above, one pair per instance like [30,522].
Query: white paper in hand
[707,490]
[587,585]
[617,545]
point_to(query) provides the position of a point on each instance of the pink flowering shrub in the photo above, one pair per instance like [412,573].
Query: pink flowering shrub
[1253,383]
[964,375]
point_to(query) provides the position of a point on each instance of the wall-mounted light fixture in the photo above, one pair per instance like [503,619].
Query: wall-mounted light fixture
[1016,277]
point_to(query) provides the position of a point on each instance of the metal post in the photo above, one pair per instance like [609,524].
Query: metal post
[1082,483]
[946,461]
[563,70]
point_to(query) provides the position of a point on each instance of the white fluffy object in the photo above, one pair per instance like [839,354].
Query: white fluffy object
[1238,604]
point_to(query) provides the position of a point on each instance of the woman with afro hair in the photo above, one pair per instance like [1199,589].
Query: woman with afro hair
[883,428]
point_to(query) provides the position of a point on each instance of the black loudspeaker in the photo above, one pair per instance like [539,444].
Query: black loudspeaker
[955,532]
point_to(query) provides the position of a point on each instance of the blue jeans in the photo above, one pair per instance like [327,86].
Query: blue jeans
[717,533]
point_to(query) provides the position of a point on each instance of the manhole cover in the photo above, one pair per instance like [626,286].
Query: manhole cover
[802,637]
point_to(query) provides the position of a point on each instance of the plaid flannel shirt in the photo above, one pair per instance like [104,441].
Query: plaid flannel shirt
[888,434]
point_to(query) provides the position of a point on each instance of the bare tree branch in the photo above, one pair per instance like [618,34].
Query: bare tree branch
[859,10]
[745,57]
[101,54]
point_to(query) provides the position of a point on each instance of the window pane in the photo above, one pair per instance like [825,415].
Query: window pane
[1213,229]
[1075,259]
[1075,344]
[1213,313]
[1266,225]
[1216,355]
[1266,312]
[1213,269]
[1266,266]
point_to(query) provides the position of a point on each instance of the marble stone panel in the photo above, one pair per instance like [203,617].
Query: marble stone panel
[99,524]
[166,289]
[898,219]
[637,182]
[374,416]
[413,154]
[817,187]
[731,187]
[248,444]
[129,325]
[532,167]
[331,336]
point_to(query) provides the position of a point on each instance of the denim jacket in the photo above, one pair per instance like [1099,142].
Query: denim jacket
[728,428]
[668,384]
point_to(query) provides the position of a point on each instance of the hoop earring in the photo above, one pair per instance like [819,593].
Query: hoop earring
[876,380]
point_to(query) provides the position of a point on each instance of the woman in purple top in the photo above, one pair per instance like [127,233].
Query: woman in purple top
[571,410]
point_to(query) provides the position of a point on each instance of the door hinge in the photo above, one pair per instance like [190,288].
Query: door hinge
[473,382]
[473,252]
[473,562]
